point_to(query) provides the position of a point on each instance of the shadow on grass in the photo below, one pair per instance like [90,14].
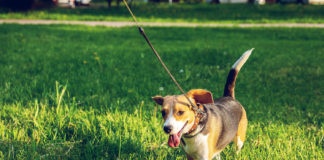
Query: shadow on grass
[69,150]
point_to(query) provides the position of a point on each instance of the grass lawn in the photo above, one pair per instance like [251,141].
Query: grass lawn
[78,92]
[202,13]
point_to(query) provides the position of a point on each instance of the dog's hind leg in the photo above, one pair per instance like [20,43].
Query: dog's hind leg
[241,132]
[217,157]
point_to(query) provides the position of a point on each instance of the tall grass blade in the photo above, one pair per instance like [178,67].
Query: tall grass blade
[59,95]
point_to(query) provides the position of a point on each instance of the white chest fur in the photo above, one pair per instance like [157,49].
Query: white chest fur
[197,147]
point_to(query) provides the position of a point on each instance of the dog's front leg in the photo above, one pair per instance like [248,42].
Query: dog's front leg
[189,158]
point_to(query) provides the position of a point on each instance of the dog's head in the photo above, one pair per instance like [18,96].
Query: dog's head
[178,114]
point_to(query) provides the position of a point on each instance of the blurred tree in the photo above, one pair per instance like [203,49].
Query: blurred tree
[129,2]
[157,1]
[215,1]
[17,5]
[193,1]
[109,2]
[24,5]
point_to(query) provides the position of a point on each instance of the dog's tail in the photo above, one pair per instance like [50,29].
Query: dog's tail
[231,78]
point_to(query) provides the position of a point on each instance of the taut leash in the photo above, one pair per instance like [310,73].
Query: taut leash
[141,30]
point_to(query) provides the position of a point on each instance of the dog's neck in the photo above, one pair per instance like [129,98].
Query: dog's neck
[199,124]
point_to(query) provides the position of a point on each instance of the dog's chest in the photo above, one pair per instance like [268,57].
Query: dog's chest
[197,147]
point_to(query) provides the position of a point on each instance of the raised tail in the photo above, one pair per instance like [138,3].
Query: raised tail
[231,78]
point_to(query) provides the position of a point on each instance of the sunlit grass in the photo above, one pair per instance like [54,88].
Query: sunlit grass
[78,92]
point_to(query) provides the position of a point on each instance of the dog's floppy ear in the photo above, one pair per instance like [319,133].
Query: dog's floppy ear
[201,96]
[158,99]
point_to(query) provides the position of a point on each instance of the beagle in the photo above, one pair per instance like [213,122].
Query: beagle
[202,125]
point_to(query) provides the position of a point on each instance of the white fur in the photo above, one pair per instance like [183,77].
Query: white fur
[239,144]
[197,146]
[239,63]
[217,156]
[176,125]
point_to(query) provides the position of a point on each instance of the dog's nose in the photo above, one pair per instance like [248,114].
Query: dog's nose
[167,129]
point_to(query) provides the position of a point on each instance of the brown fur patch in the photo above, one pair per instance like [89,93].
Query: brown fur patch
[241,131]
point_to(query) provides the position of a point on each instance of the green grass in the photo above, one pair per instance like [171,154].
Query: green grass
[78,92]
[202,13]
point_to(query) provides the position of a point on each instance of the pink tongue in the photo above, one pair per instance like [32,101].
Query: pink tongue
[174,140]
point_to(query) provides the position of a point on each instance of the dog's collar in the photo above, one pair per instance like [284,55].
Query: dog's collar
[200,118]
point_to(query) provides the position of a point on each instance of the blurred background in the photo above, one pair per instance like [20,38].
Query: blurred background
[23,5]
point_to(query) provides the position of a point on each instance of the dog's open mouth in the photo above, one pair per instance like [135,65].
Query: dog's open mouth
[174,139]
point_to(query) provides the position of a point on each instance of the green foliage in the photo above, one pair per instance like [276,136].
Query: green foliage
[25,5]
[78,92]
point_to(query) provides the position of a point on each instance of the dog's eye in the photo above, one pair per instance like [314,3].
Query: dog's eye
[179,113]
[163,113]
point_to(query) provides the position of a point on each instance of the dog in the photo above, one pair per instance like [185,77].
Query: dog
[202,125]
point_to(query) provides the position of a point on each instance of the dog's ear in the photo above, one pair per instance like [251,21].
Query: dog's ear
[158,99]
[201,96]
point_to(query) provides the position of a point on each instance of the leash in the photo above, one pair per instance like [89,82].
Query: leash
[141,30]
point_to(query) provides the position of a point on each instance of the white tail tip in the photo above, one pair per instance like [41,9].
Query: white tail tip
[239,63]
